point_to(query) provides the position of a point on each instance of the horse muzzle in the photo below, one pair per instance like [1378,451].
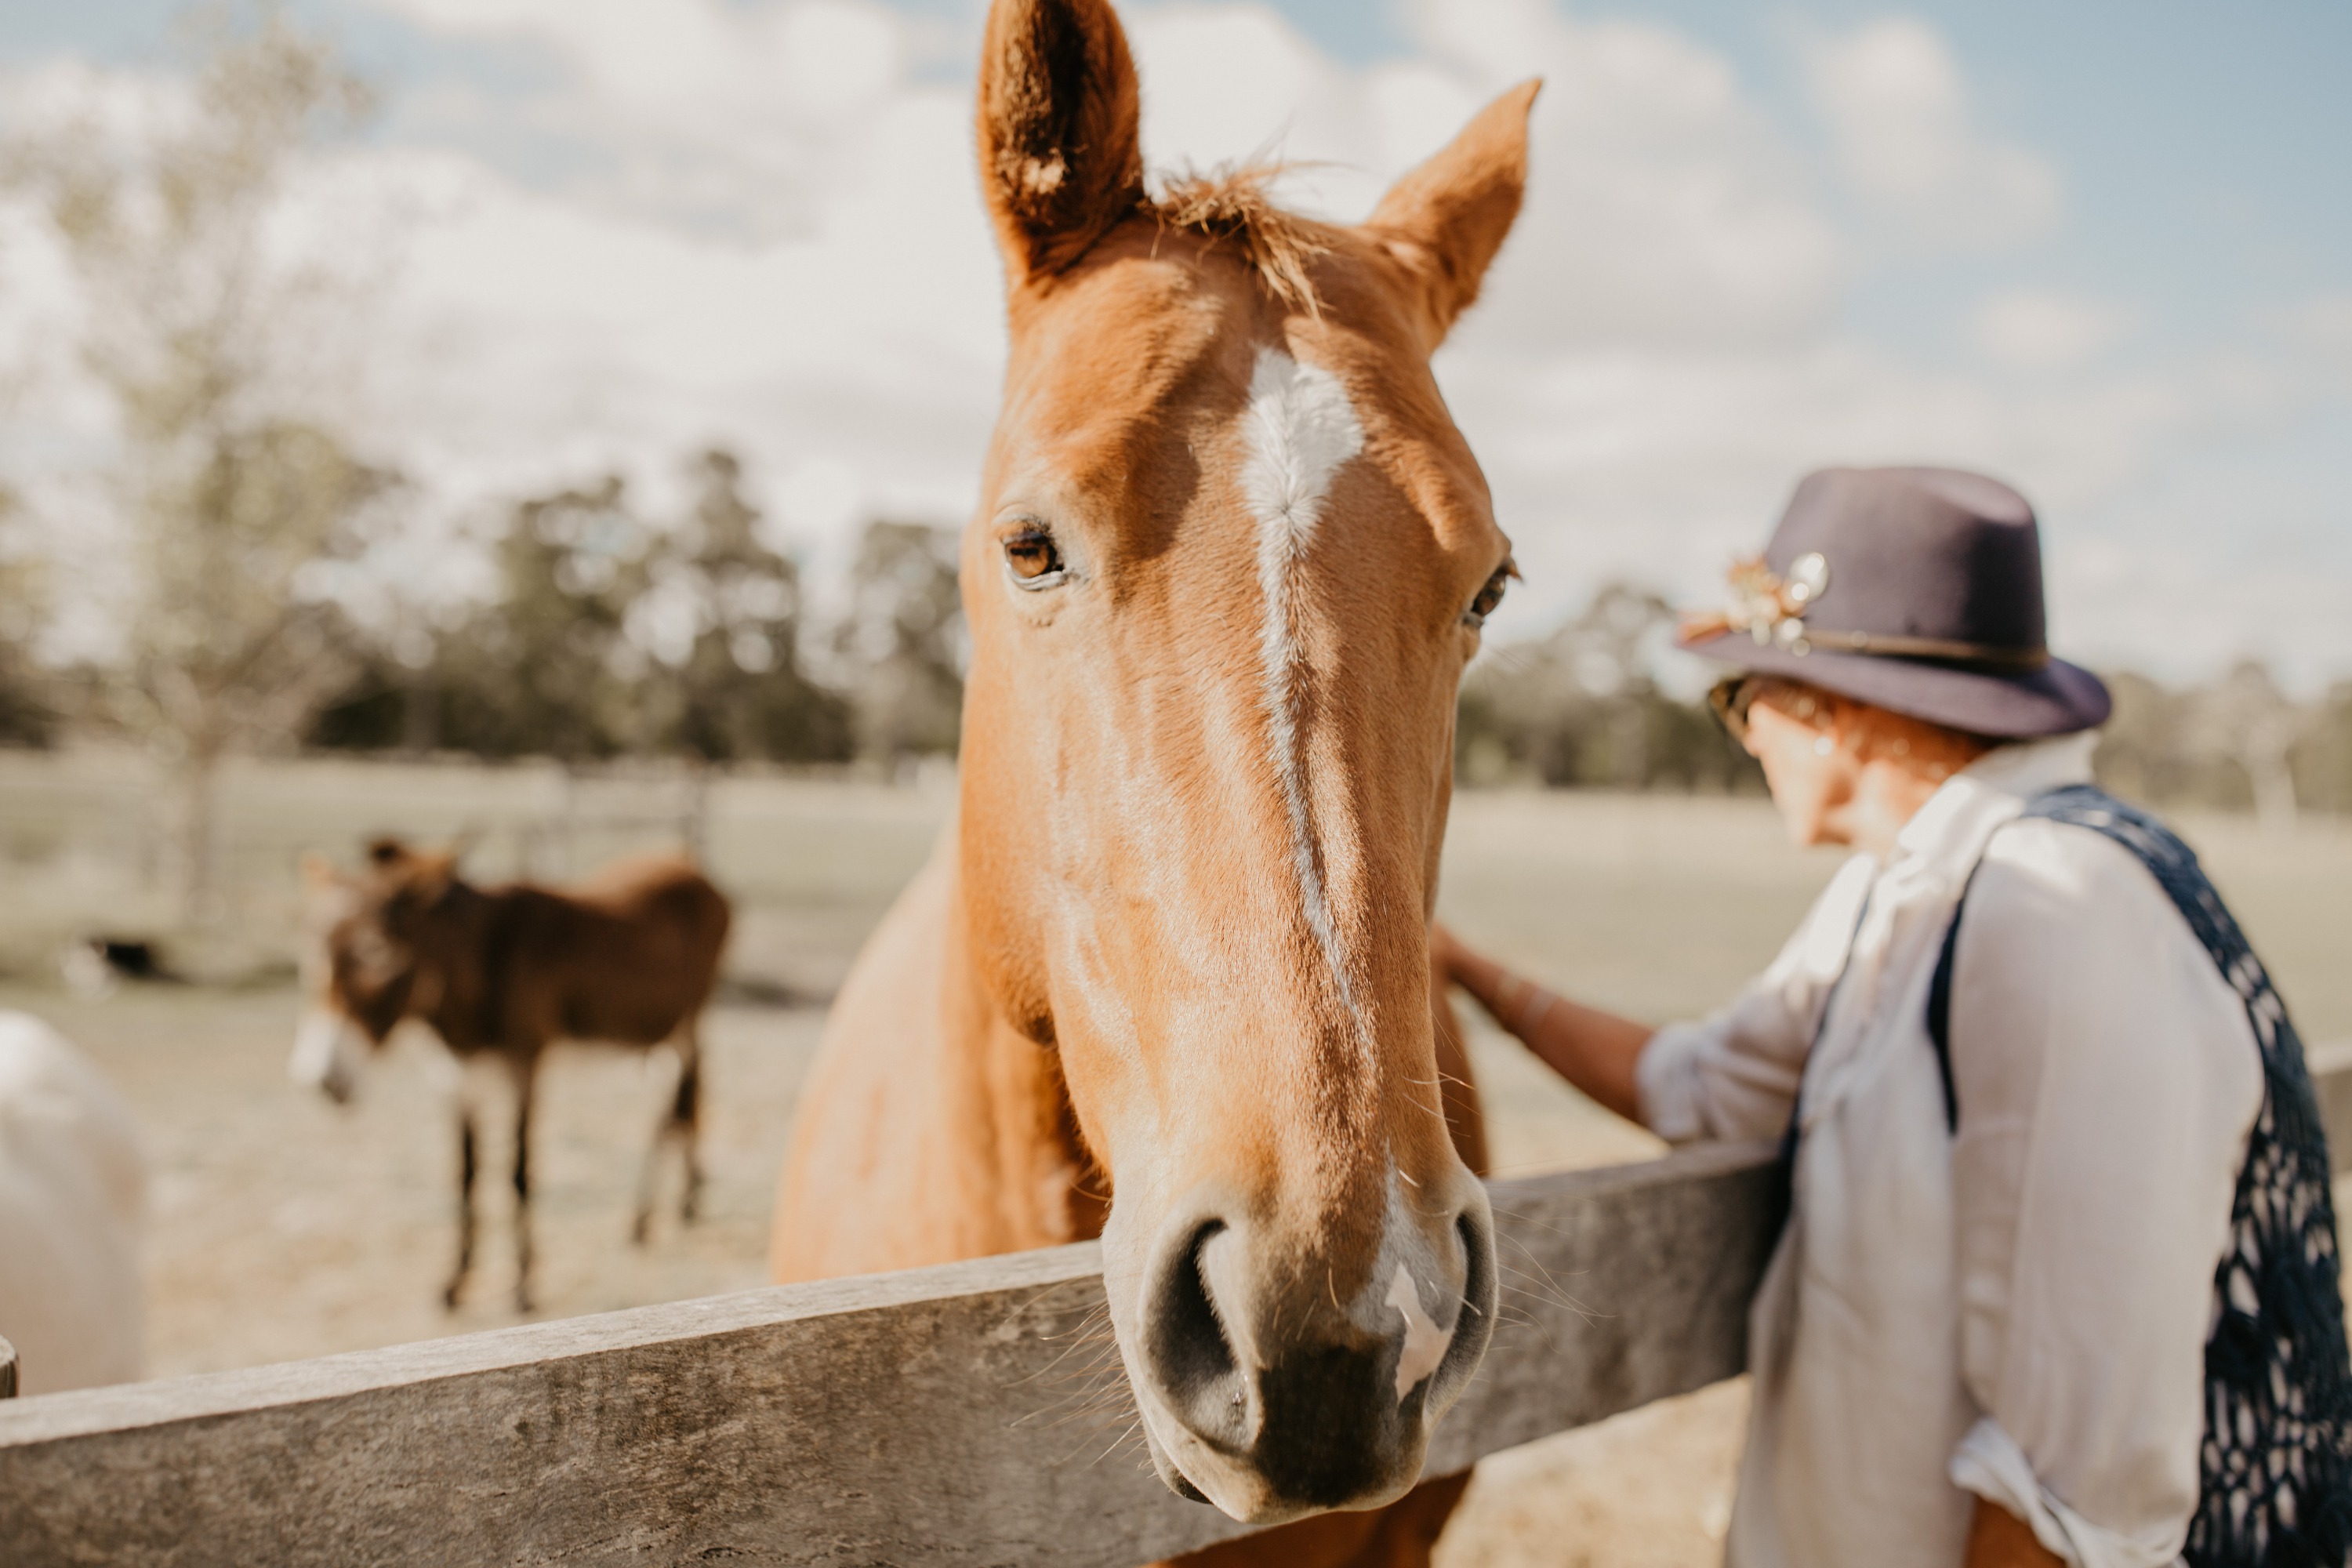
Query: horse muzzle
[328,1051]
[1268,1390]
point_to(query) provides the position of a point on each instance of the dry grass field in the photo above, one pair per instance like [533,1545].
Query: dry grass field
[281,1227]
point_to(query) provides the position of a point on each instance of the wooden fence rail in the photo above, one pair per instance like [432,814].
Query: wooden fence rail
[971,1415]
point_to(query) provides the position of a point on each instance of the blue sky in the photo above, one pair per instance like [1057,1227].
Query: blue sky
[2114,264]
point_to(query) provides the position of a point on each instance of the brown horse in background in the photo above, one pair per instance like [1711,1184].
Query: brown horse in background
[1167,979]
[626,958]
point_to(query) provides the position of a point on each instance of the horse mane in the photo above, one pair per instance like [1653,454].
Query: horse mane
[1234,204]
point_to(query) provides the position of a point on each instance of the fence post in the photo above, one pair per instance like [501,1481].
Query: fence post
[7,1370]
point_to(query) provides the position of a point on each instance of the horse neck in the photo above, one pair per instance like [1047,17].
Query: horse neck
[458,950]
[1005,1108]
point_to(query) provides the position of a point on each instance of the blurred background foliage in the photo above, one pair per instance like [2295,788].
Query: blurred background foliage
[609,634]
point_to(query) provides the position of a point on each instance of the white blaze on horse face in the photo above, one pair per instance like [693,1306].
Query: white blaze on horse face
[1301,431]
[328,1051]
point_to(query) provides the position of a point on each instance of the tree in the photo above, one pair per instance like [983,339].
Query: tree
[902,643]
[609,634]
[723,615]
[200,327]
[547,669]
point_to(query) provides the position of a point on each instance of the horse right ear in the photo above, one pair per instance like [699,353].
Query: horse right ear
[1445,220]
[1061,155]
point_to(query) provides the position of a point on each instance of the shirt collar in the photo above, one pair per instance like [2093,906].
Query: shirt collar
[1991,790]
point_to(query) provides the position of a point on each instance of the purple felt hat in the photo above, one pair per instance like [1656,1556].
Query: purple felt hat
[1916,590]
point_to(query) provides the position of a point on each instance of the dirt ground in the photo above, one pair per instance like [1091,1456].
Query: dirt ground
[281,1227]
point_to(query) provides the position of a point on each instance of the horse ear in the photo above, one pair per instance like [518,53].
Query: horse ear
[1447,220]
[385,852]
[1061,158]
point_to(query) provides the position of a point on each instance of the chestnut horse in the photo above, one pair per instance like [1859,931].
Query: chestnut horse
[1166,979]
[626,958]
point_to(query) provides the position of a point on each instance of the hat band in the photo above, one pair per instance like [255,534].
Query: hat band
[1890,646]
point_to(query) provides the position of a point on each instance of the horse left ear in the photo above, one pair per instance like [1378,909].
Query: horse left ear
[1061,156]
[1447,220]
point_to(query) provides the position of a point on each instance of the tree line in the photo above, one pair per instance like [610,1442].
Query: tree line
[610,633]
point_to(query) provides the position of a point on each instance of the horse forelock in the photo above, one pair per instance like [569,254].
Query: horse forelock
[1236,206]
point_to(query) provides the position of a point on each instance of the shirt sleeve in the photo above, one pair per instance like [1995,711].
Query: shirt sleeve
[1735,1075]
[2106,1078]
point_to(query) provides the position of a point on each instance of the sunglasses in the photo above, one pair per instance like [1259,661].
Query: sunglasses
[1731,698]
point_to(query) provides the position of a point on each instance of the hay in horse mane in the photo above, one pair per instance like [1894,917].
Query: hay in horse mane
[1234,205]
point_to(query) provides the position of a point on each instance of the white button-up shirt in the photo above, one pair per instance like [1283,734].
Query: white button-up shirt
[2018,1312]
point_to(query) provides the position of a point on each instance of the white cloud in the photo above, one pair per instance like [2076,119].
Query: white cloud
[2046,330]
[729,116]
[1897,105]
[1665,208]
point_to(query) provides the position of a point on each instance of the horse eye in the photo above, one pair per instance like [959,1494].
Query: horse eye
[1489,596]
[1033,558]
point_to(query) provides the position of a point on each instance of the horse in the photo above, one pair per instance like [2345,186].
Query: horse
[72,1181]
[1165,978]
[626,958]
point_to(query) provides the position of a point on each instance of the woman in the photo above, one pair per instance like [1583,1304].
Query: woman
[2058,1190]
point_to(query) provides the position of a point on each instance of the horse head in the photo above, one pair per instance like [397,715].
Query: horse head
[364,968]
[1230,559]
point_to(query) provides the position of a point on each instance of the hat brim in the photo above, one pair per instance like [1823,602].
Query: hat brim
[2059,699]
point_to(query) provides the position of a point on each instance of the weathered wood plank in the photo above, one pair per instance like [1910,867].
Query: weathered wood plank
[967,1416]
[1619,1286]
[942,1416]
[7,1370]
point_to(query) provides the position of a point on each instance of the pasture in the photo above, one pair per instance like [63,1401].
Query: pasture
[281,1227]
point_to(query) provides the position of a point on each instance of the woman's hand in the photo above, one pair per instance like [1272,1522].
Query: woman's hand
[1446,953]
[1595,1051]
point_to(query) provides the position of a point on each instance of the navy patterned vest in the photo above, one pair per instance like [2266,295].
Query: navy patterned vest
[2276,1461]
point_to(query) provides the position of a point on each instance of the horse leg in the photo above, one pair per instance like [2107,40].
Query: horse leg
[466,1164]
[683,1124]
[686,1118]
[526,1073]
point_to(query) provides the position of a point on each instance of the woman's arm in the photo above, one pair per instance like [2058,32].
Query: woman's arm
[1594,1050]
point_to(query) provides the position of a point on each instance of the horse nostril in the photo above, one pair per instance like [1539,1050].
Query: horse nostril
[1190,1353]
[1475,1326]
